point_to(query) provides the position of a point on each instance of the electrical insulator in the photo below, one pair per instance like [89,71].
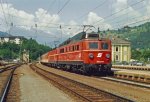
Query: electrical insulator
[11,24]
[36,25]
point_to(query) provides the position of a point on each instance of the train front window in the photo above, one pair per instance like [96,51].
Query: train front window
[93,45]
[104,45]
[93,36]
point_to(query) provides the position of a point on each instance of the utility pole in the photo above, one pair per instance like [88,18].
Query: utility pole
[11,25]
[69,33]
[55,43]
[35,31]
[20,55]
[61,32]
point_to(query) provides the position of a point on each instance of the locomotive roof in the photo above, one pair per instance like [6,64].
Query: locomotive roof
[78,37]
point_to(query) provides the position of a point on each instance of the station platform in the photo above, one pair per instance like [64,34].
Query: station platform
[136,75]
[34,88]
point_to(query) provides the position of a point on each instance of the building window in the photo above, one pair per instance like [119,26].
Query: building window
[117,58]
[116,49]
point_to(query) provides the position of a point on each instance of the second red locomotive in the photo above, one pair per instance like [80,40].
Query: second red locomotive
[85,52]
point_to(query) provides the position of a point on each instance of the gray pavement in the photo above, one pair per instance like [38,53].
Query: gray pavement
[35,89]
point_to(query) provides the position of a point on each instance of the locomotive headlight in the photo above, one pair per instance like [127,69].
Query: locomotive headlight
[91,56]
[107,55]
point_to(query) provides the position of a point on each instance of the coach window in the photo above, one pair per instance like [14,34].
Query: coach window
[104,45]
[77,47]
[62,50]
[93,45]
[66,49]
[73,48]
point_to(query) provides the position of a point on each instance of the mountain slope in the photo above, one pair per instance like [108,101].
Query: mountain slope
[4,34]
[139,36]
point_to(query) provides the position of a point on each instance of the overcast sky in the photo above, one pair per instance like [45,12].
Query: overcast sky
[47,15]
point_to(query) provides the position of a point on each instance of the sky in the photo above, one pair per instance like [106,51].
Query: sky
[56,20]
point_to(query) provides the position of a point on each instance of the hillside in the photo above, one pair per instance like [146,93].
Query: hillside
[13,51]
[139,36]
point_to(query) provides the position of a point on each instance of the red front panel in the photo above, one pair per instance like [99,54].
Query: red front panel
[99,57]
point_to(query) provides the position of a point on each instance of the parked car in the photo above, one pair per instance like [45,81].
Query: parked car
[125,63]
[133,63]
[136,63]
[140,64]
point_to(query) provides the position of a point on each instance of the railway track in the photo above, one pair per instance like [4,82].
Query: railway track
[80,90]
[125,81]
[6,75]
[143,68]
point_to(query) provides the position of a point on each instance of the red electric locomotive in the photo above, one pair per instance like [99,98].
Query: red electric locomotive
[85,52]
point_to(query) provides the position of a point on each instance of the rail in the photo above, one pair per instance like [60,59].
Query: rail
[6,68]
[8,82]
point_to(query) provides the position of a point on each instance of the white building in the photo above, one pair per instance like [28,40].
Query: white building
[12,39]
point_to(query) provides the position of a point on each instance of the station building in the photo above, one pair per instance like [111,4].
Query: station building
[121,50]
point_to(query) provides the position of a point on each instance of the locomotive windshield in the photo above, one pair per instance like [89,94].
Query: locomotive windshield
[93,45]
[104,45]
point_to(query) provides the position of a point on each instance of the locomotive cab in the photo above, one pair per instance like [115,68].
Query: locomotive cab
[96,53]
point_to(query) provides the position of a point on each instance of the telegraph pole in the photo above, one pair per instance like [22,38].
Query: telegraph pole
[35,31]
[20,55]
[61,32]
[11,25]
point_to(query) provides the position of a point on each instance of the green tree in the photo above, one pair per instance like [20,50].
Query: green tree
[13,51]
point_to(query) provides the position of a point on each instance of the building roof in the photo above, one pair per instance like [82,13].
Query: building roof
[117,40]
